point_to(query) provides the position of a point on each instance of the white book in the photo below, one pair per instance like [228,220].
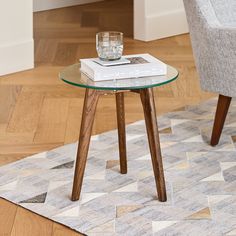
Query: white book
[140,65]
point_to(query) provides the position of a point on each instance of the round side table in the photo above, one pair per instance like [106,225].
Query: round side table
[144,87]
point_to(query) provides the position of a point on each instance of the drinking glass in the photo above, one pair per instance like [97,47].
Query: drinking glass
[109,45]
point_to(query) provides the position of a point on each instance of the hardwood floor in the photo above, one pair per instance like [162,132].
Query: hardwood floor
[38,112]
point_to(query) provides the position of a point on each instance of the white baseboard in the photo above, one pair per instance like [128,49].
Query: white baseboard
[16,57]
[163,25]
[42,5]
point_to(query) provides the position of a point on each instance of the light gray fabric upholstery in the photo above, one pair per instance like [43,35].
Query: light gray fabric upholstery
[212,25]
[225,11]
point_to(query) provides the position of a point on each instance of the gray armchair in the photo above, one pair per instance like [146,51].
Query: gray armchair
[212,25]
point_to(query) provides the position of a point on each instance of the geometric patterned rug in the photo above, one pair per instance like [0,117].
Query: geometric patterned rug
[200,179]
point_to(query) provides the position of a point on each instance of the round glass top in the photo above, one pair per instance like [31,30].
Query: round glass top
[72,75]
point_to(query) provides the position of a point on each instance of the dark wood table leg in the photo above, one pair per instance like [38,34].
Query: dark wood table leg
[90,104]
[120,111]
[220,116]
[153,138]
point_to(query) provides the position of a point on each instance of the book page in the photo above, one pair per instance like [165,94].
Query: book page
[137,60]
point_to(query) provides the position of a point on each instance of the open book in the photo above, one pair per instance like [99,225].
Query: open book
[140,65]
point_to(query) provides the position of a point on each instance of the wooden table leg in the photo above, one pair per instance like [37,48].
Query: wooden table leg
[90,104]
[120,111]
[154,143]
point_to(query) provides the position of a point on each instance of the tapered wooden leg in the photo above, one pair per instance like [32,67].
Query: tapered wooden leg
[120,111]
[220,116]
[154,143]
[90,103]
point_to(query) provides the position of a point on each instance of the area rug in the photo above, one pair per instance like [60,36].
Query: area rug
[200,179]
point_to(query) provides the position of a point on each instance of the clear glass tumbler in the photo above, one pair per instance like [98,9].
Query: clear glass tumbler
[109,45]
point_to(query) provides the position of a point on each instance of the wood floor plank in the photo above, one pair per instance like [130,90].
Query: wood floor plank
[28,224]
[26,113]
[66,54]
[57,91]
[27,149]
[8,98]
[7,138]
[53,121]
[73,121]
[46,50]
[63,15]
[123,24]
[87,49]
[41,75]
[7,217]
[9,158]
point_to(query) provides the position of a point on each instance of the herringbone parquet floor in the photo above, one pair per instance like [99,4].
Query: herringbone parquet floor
[38,112]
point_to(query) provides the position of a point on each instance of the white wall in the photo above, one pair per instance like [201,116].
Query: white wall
[41,5]
[16,31]
[155,19]
[16,36]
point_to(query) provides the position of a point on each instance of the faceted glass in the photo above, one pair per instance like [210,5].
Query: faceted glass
[109,45]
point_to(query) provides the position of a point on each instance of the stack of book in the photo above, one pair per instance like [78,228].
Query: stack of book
[130,66]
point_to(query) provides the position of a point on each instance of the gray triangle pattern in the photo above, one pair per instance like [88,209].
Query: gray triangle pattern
[36,199]
[68,165]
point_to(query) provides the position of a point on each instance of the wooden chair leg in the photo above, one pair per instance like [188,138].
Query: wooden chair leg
[220,116]
[89,109]
[120,111]
[153,138]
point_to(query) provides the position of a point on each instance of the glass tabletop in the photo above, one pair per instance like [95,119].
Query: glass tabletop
[73,76]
